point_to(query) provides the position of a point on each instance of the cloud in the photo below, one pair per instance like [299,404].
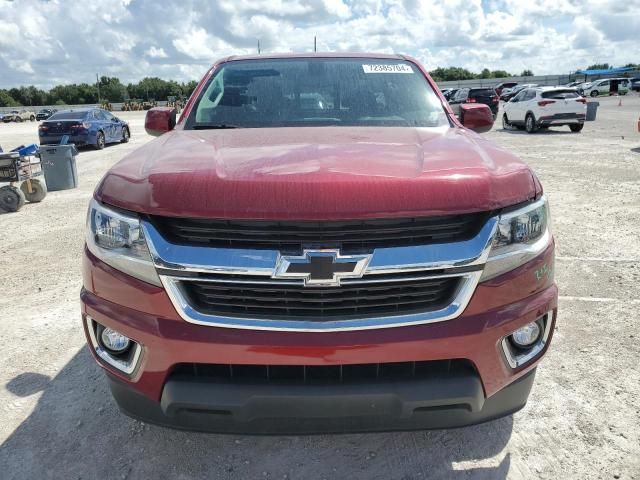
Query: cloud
[154,52]
[48,42]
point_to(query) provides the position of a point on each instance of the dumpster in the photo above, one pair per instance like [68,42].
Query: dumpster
[59,166]
[592,108]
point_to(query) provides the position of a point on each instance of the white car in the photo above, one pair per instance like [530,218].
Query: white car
[603,86]
[545,107]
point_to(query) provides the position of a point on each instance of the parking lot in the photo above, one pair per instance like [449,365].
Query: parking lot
[582,419]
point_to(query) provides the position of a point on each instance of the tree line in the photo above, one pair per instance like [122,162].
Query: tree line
[448,74]
[107,89]
[441,74]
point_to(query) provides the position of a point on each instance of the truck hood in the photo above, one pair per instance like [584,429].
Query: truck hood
[316,173]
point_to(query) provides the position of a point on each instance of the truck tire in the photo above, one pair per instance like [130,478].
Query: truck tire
[11,198]
[576,128]
[38,190]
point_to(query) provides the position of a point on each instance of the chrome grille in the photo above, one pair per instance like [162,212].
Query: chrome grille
[349,235]
[391,296]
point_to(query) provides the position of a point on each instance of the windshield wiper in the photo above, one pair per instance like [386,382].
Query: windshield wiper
[214,126]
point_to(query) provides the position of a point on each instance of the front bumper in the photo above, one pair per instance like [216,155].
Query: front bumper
[441,402]
[144,313]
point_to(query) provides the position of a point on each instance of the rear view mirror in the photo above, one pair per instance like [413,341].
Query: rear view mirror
[476,117]
[160,120]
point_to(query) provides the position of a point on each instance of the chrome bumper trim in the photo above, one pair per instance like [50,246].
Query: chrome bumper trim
[119,364]
[517,359]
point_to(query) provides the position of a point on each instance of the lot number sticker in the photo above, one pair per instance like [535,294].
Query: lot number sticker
[393,68]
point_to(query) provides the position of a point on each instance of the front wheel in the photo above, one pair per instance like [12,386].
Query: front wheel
[11,198]
[99,141]
[32,118]
[19,119]
[530,124]
[576,128]
[594,93]
[125,135]
[38,190]
[505,122]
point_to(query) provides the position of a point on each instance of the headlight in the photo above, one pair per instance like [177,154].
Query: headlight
[117,239]
[521,235]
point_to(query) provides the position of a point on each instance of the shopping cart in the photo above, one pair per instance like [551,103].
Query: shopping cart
[19,168]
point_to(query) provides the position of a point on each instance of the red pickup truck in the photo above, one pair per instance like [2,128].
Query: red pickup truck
[318,244]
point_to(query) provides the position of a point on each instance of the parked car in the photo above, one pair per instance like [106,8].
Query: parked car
[266,268]
[508,95]
[486,96]
[603,87]
[19,116]
[445,92]
[582,86]
[450,93]
[92,126]
[545,107]
[501,86]
[45,113]
[635,84]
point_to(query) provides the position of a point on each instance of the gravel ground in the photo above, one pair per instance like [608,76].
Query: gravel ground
[582,420]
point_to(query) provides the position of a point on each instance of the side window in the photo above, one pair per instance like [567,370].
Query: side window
[99,115]
[519,97]
[462,94]
[531,94]
[107,115]
[604,83]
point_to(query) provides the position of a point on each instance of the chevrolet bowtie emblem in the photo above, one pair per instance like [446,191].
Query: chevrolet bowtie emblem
[321,267]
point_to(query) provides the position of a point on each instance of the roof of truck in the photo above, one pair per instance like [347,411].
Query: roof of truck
[316,55]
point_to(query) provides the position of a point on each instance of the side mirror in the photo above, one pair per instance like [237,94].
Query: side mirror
[160,120]
[476,117]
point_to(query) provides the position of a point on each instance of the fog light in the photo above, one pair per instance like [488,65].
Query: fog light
[526,336]
[113,341]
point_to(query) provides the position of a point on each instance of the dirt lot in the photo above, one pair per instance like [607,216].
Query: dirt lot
[582,420]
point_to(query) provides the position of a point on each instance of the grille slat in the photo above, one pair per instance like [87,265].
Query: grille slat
[293,235]
[321,374]
[320,303]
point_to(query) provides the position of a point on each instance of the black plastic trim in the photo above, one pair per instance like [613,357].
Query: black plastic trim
[440,402]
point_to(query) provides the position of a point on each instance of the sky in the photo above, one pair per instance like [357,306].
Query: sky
[49,42]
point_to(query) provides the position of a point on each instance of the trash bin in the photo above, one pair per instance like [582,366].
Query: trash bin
[592,108]
[59,166]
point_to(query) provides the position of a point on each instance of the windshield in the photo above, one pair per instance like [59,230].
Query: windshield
[560,94]
[482,92]
[305,92]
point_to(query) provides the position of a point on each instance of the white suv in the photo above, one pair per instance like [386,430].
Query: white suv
[603,87]
[545,107]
